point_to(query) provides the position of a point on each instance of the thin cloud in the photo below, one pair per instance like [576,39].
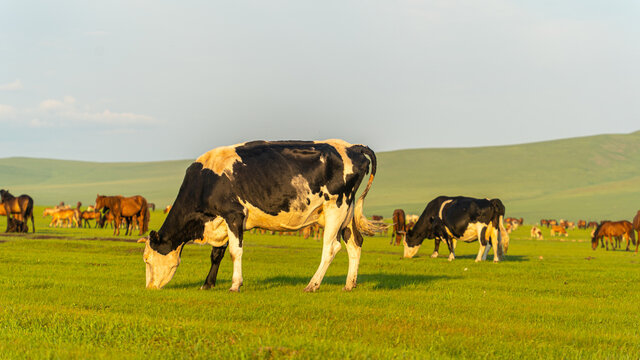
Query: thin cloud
[12,86]
[96,33]
[7,111]
[66,113]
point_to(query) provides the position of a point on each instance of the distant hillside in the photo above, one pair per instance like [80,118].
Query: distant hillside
[591,177]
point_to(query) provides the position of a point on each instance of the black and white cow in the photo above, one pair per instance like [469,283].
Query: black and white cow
[460,218]
[278,185]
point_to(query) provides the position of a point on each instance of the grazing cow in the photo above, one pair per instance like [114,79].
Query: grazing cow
[536,233]
[558,230]
[467,219]
[275,185]
[592,224]
[399,227]
[582,224]
[611,230]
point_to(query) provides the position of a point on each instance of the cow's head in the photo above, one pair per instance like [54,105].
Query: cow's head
[160,267]
[412,242]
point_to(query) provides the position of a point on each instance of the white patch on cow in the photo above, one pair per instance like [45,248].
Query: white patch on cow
[293,219]
[220,160]
[215,233]
[303,193]
[341,147]
[410,252]
[473,232]
[160,268]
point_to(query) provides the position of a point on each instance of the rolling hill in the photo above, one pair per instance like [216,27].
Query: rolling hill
[593,177]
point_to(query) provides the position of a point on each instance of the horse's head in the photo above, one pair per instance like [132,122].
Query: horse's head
[595,236]
[160,267]
[100,201]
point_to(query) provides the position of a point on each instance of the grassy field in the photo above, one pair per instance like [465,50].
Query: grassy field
[591,178]
[79,293]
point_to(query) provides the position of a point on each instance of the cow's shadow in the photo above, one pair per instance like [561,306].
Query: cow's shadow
[508,258]
[380,281]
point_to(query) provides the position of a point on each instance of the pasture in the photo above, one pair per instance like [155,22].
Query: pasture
[79,293]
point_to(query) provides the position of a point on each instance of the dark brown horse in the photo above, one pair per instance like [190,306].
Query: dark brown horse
[399,227]
[134,207]
[610,230]
[636,227]
[21,205]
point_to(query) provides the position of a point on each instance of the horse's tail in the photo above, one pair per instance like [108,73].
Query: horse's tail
[145,216]
[29,214]
[362,223]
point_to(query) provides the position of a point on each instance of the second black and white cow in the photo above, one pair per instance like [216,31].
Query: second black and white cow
[279,185]
[460,218]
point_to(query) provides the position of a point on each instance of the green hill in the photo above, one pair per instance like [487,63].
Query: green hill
[593,177]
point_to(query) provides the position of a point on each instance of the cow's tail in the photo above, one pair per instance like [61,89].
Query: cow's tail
[503,235]
[366,226]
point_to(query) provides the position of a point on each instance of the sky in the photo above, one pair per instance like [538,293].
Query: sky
[162,80]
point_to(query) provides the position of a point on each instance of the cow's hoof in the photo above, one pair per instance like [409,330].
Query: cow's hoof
[311,288]
[451,257]
[495,261]
[234,289]
[206,287]
[434,255]
[478,260]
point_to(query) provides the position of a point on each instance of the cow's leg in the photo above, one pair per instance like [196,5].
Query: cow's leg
[482,251]
[451,243]
[217,253]
[436,247]
[353,240]
[494,245]
[235,225]
[330,246]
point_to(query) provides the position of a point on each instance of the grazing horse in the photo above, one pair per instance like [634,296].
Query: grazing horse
[612,229]
[636,227]
[125,207]
[399,227]
[21,205]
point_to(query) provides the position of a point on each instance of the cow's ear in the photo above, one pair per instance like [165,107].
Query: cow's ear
[153,237]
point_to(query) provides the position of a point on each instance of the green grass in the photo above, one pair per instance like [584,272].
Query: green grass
[591,178]
[68,297]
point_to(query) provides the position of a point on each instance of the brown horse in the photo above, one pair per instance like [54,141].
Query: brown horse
[636,227]
[399,227]
[22,205]
[610,230]
[125,207]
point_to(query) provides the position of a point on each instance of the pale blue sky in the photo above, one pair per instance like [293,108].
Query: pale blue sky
[159,80]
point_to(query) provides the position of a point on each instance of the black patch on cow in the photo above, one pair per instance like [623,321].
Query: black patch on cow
[356,233]
[483,238]
[346,234]
[326,197]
